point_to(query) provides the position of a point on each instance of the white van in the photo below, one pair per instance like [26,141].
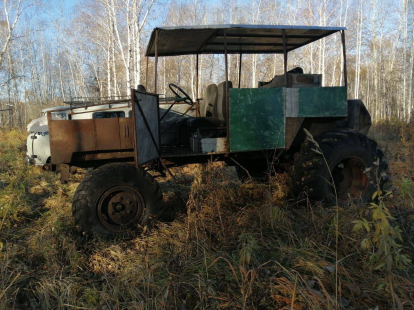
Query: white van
[38,144]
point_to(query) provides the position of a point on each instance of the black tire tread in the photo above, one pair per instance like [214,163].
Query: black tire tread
[308,163]
[94,181]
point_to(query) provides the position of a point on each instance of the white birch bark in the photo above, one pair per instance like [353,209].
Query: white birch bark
[10,24]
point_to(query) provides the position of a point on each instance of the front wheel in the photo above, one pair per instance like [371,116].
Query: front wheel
[342,166]
[116,198]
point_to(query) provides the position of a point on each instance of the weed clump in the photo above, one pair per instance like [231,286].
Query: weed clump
[231,245]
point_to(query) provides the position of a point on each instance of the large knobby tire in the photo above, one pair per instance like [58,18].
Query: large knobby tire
[116,198]
[351,159]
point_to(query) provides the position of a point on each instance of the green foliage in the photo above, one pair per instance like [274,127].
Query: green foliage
[249,246]
[13,177]
[407,189]
[91,297]
[381,238]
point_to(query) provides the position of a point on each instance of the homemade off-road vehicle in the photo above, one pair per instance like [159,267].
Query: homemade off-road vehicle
[258,130]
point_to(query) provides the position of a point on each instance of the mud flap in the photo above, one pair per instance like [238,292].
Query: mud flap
[64,173]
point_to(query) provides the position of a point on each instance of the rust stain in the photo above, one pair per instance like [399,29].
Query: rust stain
[99,135]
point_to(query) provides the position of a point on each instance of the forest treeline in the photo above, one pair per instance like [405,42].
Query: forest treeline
[51,52]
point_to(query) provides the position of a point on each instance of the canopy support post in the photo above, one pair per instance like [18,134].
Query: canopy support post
[240,63]
[197,77]
[344,56]
[285,56]
[146,75]
[156,61]
[227,91]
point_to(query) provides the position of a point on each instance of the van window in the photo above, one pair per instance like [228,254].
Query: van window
[59,116]
[130,113]
[111,114]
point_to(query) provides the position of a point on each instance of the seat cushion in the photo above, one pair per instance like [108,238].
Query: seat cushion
[205,122]
[208,106]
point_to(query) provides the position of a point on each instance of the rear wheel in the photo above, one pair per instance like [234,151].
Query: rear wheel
[345,166]
[116,198]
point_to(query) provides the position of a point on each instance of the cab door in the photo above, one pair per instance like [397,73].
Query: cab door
[147,127]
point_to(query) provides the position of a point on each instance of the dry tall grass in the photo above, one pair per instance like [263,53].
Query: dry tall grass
[231,245]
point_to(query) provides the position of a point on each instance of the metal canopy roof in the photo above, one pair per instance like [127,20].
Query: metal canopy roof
[245,39]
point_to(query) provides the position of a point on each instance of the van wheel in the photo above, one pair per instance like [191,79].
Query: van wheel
[116,198]
[347,166]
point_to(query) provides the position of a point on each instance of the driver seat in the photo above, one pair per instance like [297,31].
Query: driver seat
[208,110]
[208,107]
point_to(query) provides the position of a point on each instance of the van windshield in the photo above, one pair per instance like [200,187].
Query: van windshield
[111,114]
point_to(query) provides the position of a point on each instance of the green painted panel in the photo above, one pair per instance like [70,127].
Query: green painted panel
[257,119]
[322,101]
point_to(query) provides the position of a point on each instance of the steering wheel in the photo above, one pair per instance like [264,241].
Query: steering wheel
[180,94]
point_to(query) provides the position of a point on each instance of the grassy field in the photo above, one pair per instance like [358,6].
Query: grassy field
[230,245]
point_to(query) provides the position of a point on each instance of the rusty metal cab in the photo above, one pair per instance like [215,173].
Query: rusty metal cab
[79,141]
[93,142]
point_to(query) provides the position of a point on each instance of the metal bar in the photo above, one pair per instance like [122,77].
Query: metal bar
[156,61]
[107,155]
[170,102]
[251,44]
[197,108]
[227,91]
[285,56]
[238,164]
[100,110]
[82,104]
[174,178]
[166,112]
[197,89]
[93,105]
[269,36]
[230,52]
[133,98]
[146,75]
[344,55]
[313,39]
[213,35]
[240,63]
[213,128]
[97,98]
[159,122]
[196,76]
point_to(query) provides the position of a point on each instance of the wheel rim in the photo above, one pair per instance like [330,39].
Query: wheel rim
[350,181]
[120,208]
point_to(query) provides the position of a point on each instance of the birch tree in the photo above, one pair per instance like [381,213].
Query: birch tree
[11,14]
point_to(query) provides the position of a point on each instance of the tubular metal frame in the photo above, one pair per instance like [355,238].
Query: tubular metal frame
[225,43]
